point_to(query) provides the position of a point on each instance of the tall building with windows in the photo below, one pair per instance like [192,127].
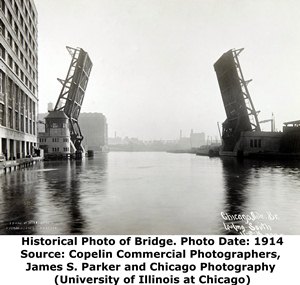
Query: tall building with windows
[94,130]
[18,78]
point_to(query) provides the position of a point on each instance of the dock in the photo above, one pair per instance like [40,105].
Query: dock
[9,165]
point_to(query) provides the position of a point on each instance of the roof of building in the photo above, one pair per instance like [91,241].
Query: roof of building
[56,115]
[297,122]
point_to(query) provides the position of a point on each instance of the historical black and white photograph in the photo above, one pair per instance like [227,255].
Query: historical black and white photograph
[149,117]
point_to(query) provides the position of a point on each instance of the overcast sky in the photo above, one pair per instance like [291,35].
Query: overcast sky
[153,59]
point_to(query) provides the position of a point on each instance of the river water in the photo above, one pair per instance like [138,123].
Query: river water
[152,193]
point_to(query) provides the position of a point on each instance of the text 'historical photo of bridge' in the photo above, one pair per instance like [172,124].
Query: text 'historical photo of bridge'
[168,117]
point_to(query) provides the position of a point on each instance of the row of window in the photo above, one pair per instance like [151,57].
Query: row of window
[19,14]
[20,35]
[14,66]
[16,97]
[16,121]
[17,70]
[58,125]
[14,46]
[56,149]
[255,143]
[65,140]
[22,43]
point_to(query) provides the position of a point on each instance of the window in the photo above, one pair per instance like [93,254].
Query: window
[22,99]
[17,69]
[2,82]
[16,9]
[9,39]
[2,52]
[255,143]
[30,8]
[17,120]
[10,118]
[2,5]
[16,29]
[259,143]
[54,125]
[55,139]
[33,108]
[10,18]
[16,50]
[2,28]
[9,90]
[66,140]
[251,143]
[26,102]
[10,61]
[2,114]
[22,39]
[55,149]
[66,149]
[17,95]
[22,123]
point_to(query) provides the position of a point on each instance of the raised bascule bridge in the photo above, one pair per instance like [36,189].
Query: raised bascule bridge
[63,135]
[241,132]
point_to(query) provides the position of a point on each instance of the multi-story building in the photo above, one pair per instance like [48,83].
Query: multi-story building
[56,137]
[54,133]
[18,78]
[94,129]
[197,139]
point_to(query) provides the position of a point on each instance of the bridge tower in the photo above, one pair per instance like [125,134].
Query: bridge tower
[72,93]
[239,107]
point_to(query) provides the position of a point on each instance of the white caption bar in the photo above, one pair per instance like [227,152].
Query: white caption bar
[51,260]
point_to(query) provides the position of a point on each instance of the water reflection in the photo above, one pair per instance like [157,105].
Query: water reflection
[51,197]
[18,203]
[236,175]
[255,192]
[63,189]
[68,190]
[149,193]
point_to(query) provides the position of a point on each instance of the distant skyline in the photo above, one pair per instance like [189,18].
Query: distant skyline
[153,60]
